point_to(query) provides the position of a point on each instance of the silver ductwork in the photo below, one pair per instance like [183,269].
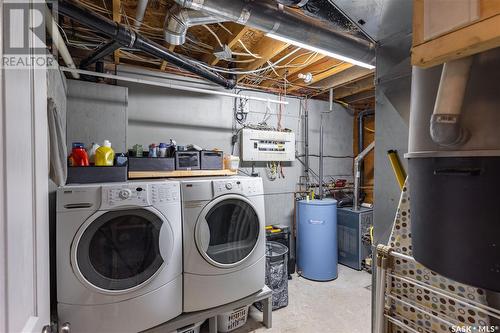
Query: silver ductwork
[179,20]
[271,18]
[142,5]
[454,182]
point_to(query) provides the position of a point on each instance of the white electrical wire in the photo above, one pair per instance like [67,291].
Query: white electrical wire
[213,34]
[223,27]
[248,51]
[221,70]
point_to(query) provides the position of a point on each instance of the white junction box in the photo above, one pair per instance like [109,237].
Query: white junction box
[258,145]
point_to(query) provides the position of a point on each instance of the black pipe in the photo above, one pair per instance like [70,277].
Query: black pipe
[292,2]
[99,54]
[121,34]
[361,147]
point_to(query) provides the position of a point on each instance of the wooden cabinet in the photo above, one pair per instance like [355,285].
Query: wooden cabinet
[445,30]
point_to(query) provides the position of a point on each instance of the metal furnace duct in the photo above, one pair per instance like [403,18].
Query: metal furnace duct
[454,189]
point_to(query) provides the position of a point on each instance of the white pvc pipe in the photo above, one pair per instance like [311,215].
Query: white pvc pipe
[171,85]
[58,41]
[452,86]
[380,285]
[139,13]
[445,127]
[357,173]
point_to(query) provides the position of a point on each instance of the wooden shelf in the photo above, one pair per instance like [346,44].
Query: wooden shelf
[464,37]
[179,173]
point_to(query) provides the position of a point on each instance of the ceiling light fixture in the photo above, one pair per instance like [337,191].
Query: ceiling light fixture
[321,51]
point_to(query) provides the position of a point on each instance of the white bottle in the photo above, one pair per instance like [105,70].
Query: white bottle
[91,152]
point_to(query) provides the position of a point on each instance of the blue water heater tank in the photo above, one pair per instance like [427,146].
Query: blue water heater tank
[317,252]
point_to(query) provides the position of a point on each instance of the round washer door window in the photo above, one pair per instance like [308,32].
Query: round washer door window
[230,231]
[120,249]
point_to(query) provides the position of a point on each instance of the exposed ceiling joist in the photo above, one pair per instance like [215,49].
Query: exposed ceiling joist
[326,71]
[117,17]
[164,63]
[266,49]
[354,88]
[294,65]
[360,96]
[238,33]
[337,68]
[351,74]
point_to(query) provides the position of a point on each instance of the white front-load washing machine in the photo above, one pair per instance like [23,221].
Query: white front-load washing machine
[224,240]
[119,255]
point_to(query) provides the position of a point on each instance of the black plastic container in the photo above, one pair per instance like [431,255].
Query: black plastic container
[455,216]
[151,164]
[187,160]
[96,174]
[281,234]
[212,160]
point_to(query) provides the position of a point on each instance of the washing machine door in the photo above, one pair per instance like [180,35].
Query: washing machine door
[120,251]
[227,231]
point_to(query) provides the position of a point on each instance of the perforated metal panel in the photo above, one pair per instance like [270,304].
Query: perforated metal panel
[352,225]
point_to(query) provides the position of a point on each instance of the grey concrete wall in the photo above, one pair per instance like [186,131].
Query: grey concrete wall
[96,112]
[157,114]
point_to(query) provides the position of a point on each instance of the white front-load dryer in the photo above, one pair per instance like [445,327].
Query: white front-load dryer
[119,256]
[224,240]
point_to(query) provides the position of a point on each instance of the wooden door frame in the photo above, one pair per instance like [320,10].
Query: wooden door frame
[3,259]
[36,143]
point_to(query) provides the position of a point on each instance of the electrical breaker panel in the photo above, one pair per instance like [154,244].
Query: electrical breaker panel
[258,145]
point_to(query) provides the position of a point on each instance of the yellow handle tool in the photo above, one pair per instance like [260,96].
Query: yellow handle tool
[399,172]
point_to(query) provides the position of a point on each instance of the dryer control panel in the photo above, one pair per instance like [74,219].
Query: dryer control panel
[238,185]
[139,194]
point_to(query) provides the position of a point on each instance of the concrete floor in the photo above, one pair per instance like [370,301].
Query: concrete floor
[339,306]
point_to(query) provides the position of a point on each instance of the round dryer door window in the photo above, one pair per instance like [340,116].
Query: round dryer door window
[230,231]
[120,250]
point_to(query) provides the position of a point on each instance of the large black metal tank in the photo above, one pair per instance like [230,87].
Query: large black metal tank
[455,191]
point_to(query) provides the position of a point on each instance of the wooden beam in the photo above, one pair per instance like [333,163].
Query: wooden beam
[300,57]
[354,88]
[171,48]
[238,33]
[349,75]
[316,67]
[360,96]
[472,39]
[339,67]
[267,49]
[117,17]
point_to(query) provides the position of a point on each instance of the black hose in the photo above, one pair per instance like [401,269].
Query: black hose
[128,38]
[292,2]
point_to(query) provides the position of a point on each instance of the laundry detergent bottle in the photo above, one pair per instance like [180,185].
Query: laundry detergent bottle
[104,155]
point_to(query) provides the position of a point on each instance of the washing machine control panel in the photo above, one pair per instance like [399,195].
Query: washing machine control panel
[239,186]
[139,194]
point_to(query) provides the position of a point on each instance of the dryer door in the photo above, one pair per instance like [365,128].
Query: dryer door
[120,251]
[227,231]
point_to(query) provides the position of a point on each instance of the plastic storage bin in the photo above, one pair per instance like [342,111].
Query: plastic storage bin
[230,321]
[276,274]
[317,252]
